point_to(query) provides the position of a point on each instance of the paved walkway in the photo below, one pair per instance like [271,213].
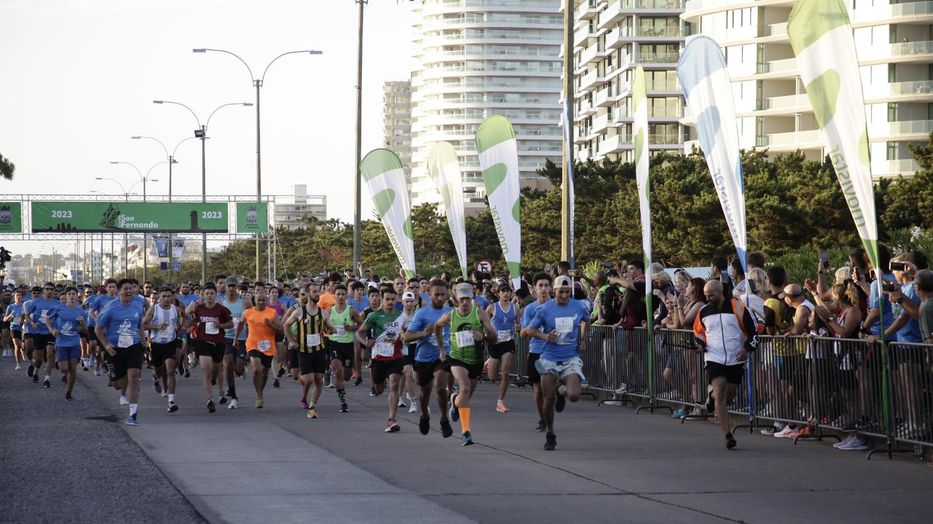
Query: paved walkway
[610,466]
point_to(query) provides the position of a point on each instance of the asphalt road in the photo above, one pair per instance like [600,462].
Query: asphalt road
[273,464]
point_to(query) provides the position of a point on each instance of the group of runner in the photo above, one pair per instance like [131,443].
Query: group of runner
[417,337]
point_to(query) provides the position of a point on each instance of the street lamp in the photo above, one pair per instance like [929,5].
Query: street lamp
[145,180]
[257,83]
[201,133]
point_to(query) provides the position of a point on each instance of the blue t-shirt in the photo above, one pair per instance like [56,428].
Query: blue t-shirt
[288,301]
[481,301]
[504,320]
[909,332]
[121,321]
[39,310]
[359,306]
[27,308]
[876,301]
[426,349]
[187,299]
[66,320]
[566,320]
[236,311]
[17,311]
[535,344]
[141,300]
[87,306]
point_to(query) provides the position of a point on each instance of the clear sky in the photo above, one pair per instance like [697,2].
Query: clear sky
[78,77]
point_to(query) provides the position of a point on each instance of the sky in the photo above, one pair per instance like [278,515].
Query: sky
[78,77]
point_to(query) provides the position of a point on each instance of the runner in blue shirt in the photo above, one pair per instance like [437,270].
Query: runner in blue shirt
[542,290]
[430,371]
[64,323]
[43,342]
[503,315]
[119,326]
[97,304]
[14,315]
[561,324]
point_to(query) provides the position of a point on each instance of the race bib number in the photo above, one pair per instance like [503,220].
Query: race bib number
[210,328]
[124,341]
[464,339]
[504,336]
[340,331]
[384,349]
[564,326]
[44,314]
[313,339]
[264,345]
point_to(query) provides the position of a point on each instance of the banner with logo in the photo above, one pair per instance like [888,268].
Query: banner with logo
[252,217]
[11,217]
[139,217]
[705,80]
[640,133]
[498,158]
[822,39]
[383,171]
[161,245]
[178,248]
[444,169]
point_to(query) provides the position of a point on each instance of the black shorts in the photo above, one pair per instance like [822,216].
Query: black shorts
[733,374]
[203,348]
[239,351]
[382,369]
[126,359]
[40,341]
[314,362]
[161,352]
[424,371]
[17,333]
[280,338]
[292,359]
[264,360]
[473,370]
[342,351]
[531,370]
[497,350]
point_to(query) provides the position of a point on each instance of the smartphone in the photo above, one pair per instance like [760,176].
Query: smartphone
[898,266]
[888,287]
[824,257]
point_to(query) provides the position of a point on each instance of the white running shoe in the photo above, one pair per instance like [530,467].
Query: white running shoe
[232,404]
[401,403]
[845,441]
[414,407]
[124,401]
[787,432]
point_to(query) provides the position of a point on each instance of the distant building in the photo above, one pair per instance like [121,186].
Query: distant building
[397,122]
[291,214]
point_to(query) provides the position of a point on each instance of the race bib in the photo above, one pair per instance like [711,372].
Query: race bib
[384,349]
[464,339]
[124,341]
[564,326]
[504,336]
[313,339]
[264,345]
[210,328]
[405,350]
[340,331]
[44,314]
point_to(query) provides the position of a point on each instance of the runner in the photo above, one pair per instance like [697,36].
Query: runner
[263,324]
[28,346]
[504,315]
[561,324]
[375,301]
[234,346]
[64,323]
[186,297]
[119,326]
[291,360]
[308,344]
[407,384]
[208,318]
[467,325]
[14,315]
[165,322]
[280,362]
[359,302]
[429,369]
[96,305]
[542,288]
[88,341]
[342,322]
[43,342]
[387,350]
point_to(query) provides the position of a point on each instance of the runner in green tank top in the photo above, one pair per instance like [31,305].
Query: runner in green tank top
[469,326]
[341,321]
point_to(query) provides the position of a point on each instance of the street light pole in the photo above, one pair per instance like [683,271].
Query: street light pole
[257,83]
[357,217]
[144,180]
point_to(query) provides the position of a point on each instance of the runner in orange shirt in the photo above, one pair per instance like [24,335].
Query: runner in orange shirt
[260,340]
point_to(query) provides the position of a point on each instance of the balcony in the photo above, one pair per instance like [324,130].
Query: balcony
[603,97]
[588,54]
[618,9]
[657,58]
[920,129]
[600,123]
[919,90]
[791,141]
[788,103]
[586,10]
[892,168]
[607,146]
[901,52]
[588,80]
[777,29]
[614,39]
[912,11]
[786,65]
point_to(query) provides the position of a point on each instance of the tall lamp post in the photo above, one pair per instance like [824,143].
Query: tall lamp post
[358,153]
[201,133]
[145,180]
[257,83]
[170,158]
[126,195]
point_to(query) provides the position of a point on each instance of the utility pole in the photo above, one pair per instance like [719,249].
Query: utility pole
[566,220]
[357,217]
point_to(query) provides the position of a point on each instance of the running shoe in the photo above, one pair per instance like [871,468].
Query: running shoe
[372,391]
[541,426]
[501,407]
[312,413]
[679,413]
[357,381]
[392,427]
[275,383]
[446,430]
[414,407]
[452,412]
[124,401]
[344,408]
[467,439]
[172,407]
[845,441]
[223,400]
[232,404]
[213,381]
[131,421]
[401,403]
[68,396]
[560,402]
[210,406]
[331,385]
[19,367]
[64,378]
[258,403]
[280,372]
[30,370]
[157,387]
[784,433]
[856,444]
[304,404]
[710,402]
[47,383]
[550,441]
[730,441]
[424,425]
[187,374]
[35,378]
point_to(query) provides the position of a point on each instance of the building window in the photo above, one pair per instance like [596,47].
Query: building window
[892,151]
[892,112]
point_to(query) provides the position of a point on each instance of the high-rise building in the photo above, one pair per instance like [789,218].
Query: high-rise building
[292,214]
[397,121]
[476,59]
[894,42]
[611,38]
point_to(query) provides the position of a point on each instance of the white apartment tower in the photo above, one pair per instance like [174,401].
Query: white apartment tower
[894,42]
[476,59]
[611,38]
[397,121]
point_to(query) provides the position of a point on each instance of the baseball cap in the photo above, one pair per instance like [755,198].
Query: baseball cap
[408,296]
[232,281]
[463,290]
[562,281]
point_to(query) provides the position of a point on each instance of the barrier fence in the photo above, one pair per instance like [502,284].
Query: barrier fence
[834,384]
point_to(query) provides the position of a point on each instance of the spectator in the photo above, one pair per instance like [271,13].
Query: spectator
[759,278]
[719,270]
[923,282]
[880,314]
[791,362]
[752,301]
